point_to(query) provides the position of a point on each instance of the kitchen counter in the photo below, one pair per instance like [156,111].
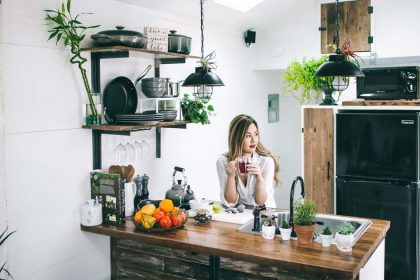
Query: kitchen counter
[218,250]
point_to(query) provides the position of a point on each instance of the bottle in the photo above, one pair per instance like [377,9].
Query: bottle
[137,197]
[144,189]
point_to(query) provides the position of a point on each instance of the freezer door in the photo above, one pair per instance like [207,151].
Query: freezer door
[378,145]
[387,201]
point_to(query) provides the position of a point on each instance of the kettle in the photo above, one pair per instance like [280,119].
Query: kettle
[180,192]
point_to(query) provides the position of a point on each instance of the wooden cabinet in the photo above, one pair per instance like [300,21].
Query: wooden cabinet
[318,133]
[354,21]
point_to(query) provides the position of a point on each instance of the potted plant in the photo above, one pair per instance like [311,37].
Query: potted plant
[196,109]
[268,229]
[304,220]
[326,237]
[344,237]
[299,76]
[71,31]
[285,230]
[3,270]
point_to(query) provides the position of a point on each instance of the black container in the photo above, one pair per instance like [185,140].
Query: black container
[179,43]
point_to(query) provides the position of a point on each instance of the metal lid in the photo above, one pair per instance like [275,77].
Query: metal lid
[173,34]
[120,31]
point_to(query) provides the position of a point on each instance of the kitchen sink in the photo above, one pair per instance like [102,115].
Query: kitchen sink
[322,220]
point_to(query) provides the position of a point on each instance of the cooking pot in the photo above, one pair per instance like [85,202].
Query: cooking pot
[178,43]
[172,88]
[120,37]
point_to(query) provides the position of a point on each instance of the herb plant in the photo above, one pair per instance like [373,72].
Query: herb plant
[3,238]
[304,212]
[299,76]
[326,231]
[285,224]
[72,32]
[197,109]
[346,228]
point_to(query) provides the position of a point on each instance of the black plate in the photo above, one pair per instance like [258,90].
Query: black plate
[120,97]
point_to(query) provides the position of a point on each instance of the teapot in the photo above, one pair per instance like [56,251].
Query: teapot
[180,192]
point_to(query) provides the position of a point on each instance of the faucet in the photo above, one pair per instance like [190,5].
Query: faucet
[256,214]
[292,194]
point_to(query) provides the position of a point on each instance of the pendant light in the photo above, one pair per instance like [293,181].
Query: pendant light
[203,80]
[338,69]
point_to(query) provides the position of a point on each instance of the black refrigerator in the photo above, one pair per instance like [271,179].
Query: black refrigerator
[377,169]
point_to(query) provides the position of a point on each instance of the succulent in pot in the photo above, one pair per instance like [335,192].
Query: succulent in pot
[304,220]
[344,237]
[285,230]
[268,229]
[326,237]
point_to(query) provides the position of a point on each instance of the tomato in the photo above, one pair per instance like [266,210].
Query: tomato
[178,218]
[165,222]
[158,215]
[183,215]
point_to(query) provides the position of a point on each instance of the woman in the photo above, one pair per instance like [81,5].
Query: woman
[257,186]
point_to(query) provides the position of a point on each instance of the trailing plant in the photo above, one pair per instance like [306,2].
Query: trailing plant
[197,109]
[3,237]
[304,212]
[285,224]
[346,228]
[299,76]
[71,32]
[207,62]
[326,231]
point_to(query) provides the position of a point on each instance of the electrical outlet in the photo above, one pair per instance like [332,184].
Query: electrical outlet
[273,108]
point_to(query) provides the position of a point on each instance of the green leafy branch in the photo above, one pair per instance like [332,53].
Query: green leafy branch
[197,109]
[72,32]
[3,238]
[208,62]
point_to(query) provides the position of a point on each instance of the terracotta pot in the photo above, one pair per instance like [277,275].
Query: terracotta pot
[305,233]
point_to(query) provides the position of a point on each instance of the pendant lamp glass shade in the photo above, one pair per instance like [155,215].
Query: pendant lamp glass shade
[203,80]
[338,68]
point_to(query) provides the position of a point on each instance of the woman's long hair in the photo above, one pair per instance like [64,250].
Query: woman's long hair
[237,131]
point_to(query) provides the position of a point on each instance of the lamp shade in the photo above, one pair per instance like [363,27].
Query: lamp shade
[338,65]
[202,77]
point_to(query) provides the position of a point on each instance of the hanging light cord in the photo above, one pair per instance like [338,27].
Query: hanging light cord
[337,27]
[202,29]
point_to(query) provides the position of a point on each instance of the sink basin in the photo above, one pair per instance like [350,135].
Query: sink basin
[322,220]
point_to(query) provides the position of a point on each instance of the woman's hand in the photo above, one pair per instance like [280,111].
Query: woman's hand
[254,169]
[231,168]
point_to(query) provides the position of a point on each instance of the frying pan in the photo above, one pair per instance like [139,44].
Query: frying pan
[120,96]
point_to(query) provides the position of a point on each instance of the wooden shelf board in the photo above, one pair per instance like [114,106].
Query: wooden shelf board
[158,54]
[361,102]
[124,127]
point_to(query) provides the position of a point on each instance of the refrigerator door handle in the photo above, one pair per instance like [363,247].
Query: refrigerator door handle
[328,170]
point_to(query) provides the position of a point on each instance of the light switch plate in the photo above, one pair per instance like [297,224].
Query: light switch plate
[273,108]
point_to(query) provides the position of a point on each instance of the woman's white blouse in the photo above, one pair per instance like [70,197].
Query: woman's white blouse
[247,193]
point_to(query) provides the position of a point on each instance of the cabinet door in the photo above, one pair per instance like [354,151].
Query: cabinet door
[354,22]
[319,157]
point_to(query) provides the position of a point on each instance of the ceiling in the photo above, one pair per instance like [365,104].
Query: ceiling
[260,17]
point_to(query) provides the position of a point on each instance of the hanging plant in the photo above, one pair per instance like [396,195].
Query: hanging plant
[197,109]
[71,32]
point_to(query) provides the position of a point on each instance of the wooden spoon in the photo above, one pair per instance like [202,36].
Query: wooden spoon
[129,173]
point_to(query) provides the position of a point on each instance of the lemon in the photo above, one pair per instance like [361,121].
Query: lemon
[148,209]
[217,208]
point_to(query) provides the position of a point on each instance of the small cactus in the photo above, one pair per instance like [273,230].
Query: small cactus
[326,231]
[285,224]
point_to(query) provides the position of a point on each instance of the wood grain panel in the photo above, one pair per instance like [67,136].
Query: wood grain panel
[224,240]
[319,157]
[361,102]
[354,24]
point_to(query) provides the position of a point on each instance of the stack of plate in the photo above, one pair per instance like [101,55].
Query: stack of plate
[141,119]
[168,115]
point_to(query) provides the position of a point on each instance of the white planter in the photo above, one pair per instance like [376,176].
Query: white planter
[344,242]
[285,233]
[268,232]
[326,240]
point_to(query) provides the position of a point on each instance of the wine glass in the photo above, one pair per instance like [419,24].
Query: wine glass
[144,149]
[120,153]
[137,150]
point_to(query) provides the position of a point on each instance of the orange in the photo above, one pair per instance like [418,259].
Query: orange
[166,205]
[138,217]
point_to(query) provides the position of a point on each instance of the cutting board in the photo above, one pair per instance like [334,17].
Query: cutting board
[238,218]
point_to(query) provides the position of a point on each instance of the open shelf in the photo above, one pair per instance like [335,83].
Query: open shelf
[158,54]
[125,127]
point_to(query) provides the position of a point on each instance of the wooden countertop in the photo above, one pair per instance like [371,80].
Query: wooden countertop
[223,240]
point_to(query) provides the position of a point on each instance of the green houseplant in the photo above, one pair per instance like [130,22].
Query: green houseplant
[196,109]
[326,237]
[3,270]
[285,230]
[344,237]
[72,32]
[304,220]
[299,76]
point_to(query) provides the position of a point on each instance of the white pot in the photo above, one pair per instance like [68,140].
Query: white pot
[285,233]
[326,240]
[268,232]
[344,242]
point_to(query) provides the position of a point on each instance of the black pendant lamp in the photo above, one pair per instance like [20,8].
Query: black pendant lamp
[203,80]
[337,69]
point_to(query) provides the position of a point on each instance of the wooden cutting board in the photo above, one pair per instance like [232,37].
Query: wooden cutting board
[238,218]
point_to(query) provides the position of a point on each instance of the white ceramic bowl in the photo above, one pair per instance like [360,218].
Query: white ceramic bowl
[199,204]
